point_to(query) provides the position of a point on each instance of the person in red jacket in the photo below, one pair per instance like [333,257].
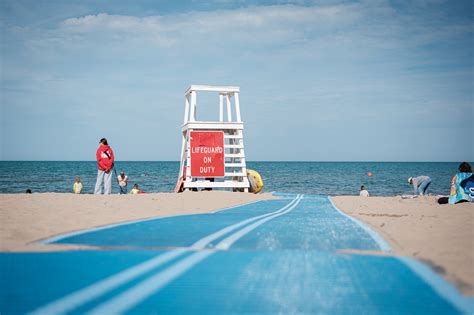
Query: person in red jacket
[105,161]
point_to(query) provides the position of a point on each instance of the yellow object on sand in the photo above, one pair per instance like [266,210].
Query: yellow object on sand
[77,187]
[255,180]
[134,191]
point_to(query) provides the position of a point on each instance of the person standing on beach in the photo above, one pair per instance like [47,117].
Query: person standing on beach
[105,163]
[123,181]
[420,184]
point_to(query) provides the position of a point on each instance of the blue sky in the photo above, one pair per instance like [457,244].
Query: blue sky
[320,80]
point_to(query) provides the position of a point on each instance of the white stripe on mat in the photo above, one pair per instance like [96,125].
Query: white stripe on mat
[202,243]
[57,238]
[463,304]
[87,294]
[375,236]
[135,295]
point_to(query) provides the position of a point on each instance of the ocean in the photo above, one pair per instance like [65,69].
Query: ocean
[320,178]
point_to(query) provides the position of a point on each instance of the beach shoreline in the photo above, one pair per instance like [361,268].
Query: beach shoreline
[441,236]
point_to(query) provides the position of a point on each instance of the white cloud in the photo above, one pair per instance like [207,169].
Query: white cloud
[323,63]
[324,29]
[321,30]
[253,24]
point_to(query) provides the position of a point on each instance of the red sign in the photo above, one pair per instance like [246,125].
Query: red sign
[207,154]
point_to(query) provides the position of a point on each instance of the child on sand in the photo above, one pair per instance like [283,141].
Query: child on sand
[135,190]
[77,187]
[363,192]
[123,182]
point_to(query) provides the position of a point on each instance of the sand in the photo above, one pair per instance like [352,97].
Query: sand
[27,219]
[439,235]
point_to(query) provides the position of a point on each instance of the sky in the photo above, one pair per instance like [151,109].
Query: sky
[320,80]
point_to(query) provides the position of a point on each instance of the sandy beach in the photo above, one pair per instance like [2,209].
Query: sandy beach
[29,218]
[441,236]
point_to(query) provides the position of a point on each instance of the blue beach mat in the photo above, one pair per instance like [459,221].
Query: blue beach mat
[285,282]
[306,227]
[276,256]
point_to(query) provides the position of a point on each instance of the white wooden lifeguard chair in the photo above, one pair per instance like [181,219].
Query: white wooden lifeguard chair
[212,152]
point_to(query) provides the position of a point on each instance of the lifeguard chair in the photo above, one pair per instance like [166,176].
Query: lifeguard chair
[212,152]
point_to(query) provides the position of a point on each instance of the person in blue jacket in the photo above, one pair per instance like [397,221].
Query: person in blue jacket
[420,184]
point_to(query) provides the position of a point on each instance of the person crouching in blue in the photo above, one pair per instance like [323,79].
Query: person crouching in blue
[420,184]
